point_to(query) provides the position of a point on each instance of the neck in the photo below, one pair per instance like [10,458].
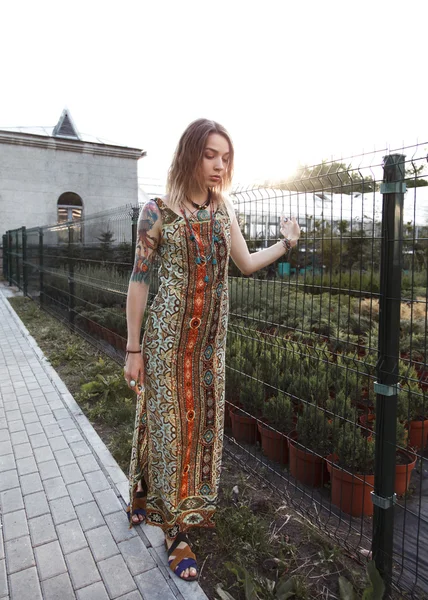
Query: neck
[199,197]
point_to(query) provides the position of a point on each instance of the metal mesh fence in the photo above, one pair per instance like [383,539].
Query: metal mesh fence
[317,342]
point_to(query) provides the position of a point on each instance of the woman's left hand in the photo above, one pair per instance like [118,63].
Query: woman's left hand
[290,229]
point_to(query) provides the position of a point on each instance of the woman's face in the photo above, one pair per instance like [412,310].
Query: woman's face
[215,160]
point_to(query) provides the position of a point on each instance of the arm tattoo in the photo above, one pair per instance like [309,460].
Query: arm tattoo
[147,243]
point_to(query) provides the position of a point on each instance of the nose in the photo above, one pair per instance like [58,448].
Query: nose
[219,165]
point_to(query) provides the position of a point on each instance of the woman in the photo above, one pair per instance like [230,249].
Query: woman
[178,438]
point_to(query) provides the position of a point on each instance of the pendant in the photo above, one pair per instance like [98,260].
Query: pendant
[203,215]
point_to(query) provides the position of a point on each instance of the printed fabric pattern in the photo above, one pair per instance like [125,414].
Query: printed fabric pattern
[178,435]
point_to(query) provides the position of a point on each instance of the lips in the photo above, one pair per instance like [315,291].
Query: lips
[215,177]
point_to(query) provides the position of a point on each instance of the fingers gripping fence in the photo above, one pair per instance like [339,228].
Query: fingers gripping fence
[326,355]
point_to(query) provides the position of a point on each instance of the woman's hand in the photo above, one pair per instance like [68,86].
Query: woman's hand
[134,371]
[290,229]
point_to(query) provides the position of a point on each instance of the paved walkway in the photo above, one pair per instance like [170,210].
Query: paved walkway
[63,530]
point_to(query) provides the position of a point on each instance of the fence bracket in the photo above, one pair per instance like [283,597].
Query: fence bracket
[394,187]
[386,390]
[383,502]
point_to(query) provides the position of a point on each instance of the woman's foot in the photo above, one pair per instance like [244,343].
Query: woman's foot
[180,557]
[139,512]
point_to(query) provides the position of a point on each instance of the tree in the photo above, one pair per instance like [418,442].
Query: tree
[413,177]
[328,177]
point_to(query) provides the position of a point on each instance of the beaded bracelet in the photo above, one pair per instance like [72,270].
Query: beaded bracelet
[287,244]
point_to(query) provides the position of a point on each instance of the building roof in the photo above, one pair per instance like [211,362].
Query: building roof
[64,129]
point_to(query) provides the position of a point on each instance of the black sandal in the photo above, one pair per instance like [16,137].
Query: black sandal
[139,508]
[184,558]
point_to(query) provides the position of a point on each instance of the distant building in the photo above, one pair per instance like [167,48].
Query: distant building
[53,174]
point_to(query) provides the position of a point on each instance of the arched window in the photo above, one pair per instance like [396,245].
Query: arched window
[70,207]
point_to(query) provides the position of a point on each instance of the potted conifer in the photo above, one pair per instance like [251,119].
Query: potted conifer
[277,421]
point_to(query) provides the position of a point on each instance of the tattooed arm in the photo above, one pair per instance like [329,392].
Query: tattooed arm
[149,232]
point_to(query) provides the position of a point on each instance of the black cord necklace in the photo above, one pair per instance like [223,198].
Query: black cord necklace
[200,206]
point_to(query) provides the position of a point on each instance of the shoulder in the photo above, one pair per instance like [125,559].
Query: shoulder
[229,206]
[150,212]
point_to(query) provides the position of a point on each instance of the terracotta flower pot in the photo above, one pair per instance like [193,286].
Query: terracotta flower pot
[244,427]
[350,492]
[418,434]
[274,444]
[403,472]
[306,466]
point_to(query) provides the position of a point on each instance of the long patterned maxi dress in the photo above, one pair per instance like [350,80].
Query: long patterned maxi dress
[178,436]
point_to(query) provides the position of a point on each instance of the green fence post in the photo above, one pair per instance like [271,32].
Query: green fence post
[18,270]
[386,386]
[5,256]
[41,262]
[24,261]
[9,259]
[71,290]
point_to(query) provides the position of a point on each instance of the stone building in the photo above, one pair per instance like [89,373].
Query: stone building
[53,175]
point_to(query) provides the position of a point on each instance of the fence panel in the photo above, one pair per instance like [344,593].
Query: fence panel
[302,353]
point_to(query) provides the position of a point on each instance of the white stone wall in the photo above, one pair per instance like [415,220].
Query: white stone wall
[33,178]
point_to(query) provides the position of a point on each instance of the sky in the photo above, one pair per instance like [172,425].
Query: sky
[293,81]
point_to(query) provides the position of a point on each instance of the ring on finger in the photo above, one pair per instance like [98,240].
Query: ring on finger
[132,382]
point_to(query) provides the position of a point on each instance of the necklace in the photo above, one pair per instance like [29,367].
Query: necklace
[202,214]
[204,204]
[202,258]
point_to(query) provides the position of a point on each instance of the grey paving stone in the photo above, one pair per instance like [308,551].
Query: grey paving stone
[62,510]
[132,596]
[68,423]
[71,473]
[26,465]
[19,554]
[5,447]
[19,437]
[25,585]
[38,396]
[42,530]
[119,526]
[71,536]
[80,493]
[4,590]
[53,431]
[107,501]
[4,435]
[58,443]
[136,555]
[27,407]
[97,481]
[39,440]
[80,448]
[96,591]
[61,413]
[64,457]
[36,505]
[116,576]
[7,462]
[47,420]
[9,480]
[1,545]
[87,463]
[50,561]
[13,415]
[48,470]
[31,483]
[153,585]
[101,543]
[82,568]
[58,588]
[34,428]
[11,500]
[31,417]
[15,525]
[43,410]
[89,516]
[55,488]
[23,450]
[72,435]
[16,426]
[42,454]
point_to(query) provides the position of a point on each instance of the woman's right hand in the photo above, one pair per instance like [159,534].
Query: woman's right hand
[134,370]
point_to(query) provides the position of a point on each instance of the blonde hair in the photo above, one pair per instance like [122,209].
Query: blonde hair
[185,173]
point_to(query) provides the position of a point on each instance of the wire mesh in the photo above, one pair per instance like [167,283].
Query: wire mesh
[302,351]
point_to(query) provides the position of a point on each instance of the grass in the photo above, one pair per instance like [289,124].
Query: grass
[259,540]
